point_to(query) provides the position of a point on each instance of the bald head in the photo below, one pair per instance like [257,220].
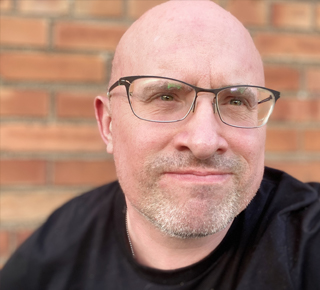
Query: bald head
[177,33]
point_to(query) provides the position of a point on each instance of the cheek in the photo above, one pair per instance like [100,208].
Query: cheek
[250,144]
[134,141]
[257,145]
[137,139]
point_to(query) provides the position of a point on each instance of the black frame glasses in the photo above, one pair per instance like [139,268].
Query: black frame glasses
[128,81]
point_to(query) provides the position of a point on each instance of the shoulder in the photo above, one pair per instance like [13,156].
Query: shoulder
[289,199]
[283,230]
[295,208]
[63,239]
[282,199]
[80,213]
[91,200]
[288,208]
[289,188]
[104,193]
[84,207]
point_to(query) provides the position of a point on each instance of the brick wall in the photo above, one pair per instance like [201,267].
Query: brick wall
[55,58]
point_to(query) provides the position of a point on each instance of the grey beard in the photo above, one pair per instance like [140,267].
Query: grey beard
[175,219]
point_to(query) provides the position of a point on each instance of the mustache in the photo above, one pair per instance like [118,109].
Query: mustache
[188,160]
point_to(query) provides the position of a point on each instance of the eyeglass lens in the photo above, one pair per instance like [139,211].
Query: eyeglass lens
[166,100]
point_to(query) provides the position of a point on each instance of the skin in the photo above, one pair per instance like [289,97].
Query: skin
[184,182]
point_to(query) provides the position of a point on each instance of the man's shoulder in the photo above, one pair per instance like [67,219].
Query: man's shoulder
[86,207]
[289,201]
[284,218]
[64,238]
[284,199]
[286,184]
[105,191]
[99,196]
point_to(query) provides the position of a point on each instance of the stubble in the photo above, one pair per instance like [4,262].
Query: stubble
[192,210]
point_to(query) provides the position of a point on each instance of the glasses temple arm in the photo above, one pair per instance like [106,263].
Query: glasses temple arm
[265,100]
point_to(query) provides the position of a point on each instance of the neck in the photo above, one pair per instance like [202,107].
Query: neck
[155,249]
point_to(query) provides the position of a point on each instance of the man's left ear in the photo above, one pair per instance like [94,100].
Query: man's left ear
[104,120]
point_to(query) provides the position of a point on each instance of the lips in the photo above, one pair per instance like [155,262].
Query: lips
[198,176]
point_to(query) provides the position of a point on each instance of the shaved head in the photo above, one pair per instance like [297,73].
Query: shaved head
[177,28]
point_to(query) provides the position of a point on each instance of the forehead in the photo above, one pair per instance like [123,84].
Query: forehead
[220,66]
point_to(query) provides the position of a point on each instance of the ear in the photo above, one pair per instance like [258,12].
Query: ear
[103,116]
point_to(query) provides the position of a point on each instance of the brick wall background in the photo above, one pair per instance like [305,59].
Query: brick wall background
[55,58]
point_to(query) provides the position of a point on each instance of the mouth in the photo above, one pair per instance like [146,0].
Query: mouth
[198,176]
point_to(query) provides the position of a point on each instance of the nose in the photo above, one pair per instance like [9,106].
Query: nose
[202,131]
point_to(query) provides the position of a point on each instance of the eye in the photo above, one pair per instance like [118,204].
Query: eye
[166,98]
[235,102]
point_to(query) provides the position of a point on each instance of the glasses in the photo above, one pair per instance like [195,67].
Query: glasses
[167,100]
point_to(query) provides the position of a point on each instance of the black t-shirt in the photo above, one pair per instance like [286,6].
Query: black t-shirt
[273,244]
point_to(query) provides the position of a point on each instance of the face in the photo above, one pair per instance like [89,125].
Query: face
[190,178]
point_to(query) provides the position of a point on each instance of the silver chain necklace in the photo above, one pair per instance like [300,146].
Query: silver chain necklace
[131,247]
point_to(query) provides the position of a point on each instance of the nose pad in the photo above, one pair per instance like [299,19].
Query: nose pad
[214,106]
[194,106]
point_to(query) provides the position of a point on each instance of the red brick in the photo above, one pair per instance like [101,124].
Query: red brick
[98,8]
[50,138]
[292,15]
[288,45]
[15,172]
[26,103]
[282,77]
[249,12]
[43,6]
[51,67]
[84,172]
[87,35]
[4,243]
[23,31]
[21,208]
[296,110]
[312,140]
[138,7]
[5,5]
[281,140]
[302,170]
[313,79]
[75,105]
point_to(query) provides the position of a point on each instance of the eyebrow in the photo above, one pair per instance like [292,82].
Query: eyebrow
[168,85]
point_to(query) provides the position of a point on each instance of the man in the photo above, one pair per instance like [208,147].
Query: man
[185,120]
